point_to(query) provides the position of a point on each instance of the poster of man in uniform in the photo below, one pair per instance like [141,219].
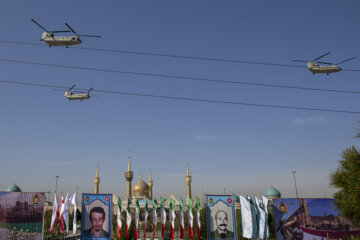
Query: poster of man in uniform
[21,215]
[311,218]
[96,216]
[221,218]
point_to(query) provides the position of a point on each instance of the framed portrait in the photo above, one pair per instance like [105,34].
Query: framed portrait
[96,216]
[221,218]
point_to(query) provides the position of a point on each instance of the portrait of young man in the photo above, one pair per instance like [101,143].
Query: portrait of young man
[96,216]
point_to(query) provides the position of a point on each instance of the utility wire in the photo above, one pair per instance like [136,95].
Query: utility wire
[188,99]
[173,56]
[178,77]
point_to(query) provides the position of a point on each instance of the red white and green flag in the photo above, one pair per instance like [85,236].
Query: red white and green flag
[118,218]
[137,215]
[128,217]
[54,213]
[146,216]
[61,219]
[190,217]
[163,216]
[181,218]
[155,218]
[198,216]
[172,218]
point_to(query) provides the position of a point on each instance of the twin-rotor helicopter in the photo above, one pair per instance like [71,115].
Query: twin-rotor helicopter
[77,95]
[50,39]
[328,68]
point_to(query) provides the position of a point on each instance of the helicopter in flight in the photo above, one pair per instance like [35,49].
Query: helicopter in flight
[328,68]
[77,96]
[50,39]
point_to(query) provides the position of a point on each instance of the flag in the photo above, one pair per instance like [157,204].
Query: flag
[181,218]
[172,218]
[198,216]
[54,213]
[155,207]
[247,218]
[190,217]
[163,216]
[146,215]
[64,213]
[261,217]
[61,220]
[128,217]
[265,202]
[254,215]
[137,215]
[118,218]
[73,201]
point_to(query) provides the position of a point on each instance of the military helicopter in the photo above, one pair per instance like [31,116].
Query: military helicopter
[73,96]
[50,39]
[314,67]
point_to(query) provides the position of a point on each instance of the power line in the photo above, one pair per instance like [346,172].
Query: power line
[188,99]
[177,77]
[175,56]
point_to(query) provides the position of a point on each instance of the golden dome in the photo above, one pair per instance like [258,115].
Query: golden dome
[141,188]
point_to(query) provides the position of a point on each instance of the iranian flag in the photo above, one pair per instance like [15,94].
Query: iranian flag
[190,217]
[73,201]
[54,213]
[118,218]
[198,216]
[137,215]
[155,218]
[128,217]
[146,215]
[172,218]
[61,220]
[163,216]
[181,218]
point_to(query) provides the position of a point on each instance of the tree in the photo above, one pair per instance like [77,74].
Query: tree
[347,179]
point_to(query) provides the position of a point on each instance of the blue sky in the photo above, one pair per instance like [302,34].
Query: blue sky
[240,148]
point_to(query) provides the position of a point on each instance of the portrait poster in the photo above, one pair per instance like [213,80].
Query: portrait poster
[221,218]
[96,216]
[310,219]
[21,215]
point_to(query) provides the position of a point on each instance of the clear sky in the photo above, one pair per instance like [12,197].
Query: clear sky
[244,149]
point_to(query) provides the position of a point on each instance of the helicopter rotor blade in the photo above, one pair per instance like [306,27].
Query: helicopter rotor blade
[71,87]
[347,60]
[321,56]
[71,29]
[60,31]
[90,36]
[327,63]
[90,90]
[39,25]
[300,61]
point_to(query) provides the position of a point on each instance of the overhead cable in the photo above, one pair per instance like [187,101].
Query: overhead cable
[173,56]
[188,99]
[177,77]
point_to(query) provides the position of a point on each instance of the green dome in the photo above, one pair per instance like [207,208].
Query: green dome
[13,188]
[273,193]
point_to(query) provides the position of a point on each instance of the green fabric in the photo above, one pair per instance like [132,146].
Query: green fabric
[155,204]
[216,235]
[181,204]
[119,203]
[172,204]
[198,203]
[162,202]
[128,205]
[190,203]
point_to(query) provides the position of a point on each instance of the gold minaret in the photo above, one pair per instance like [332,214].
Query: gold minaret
[129,176]
[188,182]
[97,180]
[150,185]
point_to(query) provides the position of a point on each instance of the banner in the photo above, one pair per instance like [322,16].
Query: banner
[96,216]
[310,219]
[21,215]
[221,218]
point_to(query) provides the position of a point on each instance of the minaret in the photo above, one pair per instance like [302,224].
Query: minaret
[150,185]
[97,180]
[128,176]
[188,182]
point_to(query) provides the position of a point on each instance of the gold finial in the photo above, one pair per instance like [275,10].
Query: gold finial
[97,180]
[150,175]
[129,164]
[140,175]
[97,171]
[187,170]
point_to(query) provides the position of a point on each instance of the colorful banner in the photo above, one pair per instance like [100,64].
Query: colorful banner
[96,216]
[21,215]
[221,218]
[310,218]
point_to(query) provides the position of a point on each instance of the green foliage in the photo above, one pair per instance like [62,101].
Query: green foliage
[347,179]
